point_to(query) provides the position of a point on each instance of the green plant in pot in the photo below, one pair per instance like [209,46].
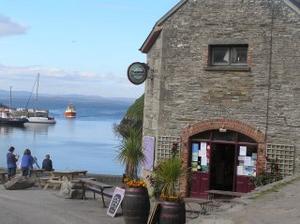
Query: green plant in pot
[165,179]
[136,204]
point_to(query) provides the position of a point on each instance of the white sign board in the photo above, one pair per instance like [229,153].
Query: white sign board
[243,150]
[116,201]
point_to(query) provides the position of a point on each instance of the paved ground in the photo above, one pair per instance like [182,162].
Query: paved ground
[35,206]
[275,205]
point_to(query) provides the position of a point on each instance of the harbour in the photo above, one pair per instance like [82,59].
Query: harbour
[86,142]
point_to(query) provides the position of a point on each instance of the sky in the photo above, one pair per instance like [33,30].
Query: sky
[78,46]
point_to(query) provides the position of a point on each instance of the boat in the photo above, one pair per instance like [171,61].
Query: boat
[42,120]
[70,112]
[6,119]
[39,116]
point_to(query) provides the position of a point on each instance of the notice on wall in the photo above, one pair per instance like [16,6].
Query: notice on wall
[203,148]
[241,159]
[204,161]
[243,150]
[195,149]
[148,145]
[116,201]
[240,170]
[248,161]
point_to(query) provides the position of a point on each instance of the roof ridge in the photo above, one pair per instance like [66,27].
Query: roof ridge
[294,4]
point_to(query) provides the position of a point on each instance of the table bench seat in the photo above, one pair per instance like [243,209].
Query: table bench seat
[55,184]
[97,188]
[211,193]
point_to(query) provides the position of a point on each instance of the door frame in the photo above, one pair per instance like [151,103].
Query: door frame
[190,130]
[210,141]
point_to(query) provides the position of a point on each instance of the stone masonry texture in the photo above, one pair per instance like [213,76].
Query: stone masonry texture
[183,92]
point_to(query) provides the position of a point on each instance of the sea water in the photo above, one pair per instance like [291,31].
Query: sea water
[84,143]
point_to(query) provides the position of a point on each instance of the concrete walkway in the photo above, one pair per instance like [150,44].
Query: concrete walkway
[275,204]
[36,206]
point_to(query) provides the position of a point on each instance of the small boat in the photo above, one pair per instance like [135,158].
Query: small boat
[42,120]
[38,116]
[70,111]
[6,119]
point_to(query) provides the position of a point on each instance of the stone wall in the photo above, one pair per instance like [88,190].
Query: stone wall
[181,91]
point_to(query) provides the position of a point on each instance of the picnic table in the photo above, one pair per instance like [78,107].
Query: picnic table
[37,172]
[69,174]
[3,176]
[55,178]
[95,187]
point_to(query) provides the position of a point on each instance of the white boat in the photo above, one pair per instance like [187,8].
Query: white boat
[39,116]
[42,120]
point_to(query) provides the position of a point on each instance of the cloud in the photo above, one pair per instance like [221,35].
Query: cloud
[9,28]
[11,72]
[60,81]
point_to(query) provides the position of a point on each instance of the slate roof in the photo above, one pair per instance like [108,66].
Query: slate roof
[296,3]
[148,43]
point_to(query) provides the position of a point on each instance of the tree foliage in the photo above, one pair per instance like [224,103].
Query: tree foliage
[132,119]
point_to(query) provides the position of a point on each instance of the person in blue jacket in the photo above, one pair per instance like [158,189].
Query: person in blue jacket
[11,159]
[27,163]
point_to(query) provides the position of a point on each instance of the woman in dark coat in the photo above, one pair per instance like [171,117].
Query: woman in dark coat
[11,159]
[47,163]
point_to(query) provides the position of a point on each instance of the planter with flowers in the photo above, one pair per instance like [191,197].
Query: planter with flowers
[165,179]
[136,204]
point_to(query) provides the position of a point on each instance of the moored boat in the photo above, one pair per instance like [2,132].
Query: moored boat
[35,116]
[42,120]
[5,119]
[70,112]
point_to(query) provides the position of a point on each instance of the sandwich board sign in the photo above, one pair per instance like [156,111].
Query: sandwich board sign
[116,201]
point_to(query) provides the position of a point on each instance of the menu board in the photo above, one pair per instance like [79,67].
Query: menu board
[148,145]
[116,201]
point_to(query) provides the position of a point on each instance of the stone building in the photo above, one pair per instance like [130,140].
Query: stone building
[224,82]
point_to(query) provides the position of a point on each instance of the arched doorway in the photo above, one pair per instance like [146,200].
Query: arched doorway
[222,155]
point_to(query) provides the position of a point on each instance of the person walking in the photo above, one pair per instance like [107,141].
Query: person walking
[11,159]
[47,163]
[27,162]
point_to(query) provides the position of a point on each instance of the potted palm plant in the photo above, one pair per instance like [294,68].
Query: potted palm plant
[136,202]
[165,179]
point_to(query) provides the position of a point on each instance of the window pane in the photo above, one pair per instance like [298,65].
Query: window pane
[220,55]
[239,55]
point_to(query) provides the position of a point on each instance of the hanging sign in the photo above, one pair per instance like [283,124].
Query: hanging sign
[137,72]
[115,202]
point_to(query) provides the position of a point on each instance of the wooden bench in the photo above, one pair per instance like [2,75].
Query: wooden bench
[212,193]
[97,188]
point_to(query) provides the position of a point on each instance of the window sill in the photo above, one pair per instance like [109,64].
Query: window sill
[228,68]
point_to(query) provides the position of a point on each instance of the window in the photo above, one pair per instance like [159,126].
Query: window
[228,55]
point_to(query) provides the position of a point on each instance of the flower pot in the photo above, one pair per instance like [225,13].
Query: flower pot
[171,212]
[136,205]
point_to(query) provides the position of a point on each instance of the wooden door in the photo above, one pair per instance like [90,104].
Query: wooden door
[244,184]
[199,185]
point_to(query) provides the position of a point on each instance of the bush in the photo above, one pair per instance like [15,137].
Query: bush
[268,177]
